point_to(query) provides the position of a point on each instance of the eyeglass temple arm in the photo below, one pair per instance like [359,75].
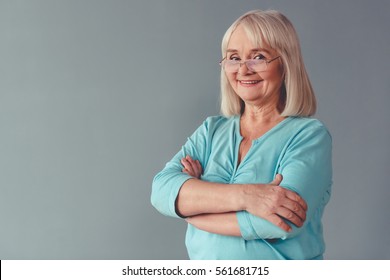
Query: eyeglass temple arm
[272,59]
[220,62]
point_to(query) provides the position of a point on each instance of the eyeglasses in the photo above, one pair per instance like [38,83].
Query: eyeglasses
[253,65]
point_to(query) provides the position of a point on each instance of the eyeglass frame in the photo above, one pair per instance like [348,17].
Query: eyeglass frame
[245,62]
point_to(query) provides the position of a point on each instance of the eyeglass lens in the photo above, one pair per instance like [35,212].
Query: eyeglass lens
[254,65]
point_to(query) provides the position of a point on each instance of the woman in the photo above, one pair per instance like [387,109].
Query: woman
[253,183]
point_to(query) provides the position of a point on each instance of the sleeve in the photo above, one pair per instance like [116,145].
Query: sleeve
[306,167]
[167,183]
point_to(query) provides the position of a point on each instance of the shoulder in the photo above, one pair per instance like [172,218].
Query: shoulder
[302,131]
[215,122]
[303,125]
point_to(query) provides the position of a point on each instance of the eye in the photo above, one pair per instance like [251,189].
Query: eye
[259,56]
[234,58]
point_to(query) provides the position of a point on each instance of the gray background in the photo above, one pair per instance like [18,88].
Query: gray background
[96,96]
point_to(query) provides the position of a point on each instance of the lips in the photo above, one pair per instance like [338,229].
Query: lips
[249,82]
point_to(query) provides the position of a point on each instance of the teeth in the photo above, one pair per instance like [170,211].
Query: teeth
[249,82]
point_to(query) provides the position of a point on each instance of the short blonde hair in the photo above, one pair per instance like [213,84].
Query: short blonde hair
[273,29]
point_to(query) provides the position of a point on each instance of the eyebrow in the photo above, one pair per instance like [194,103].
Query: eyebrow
[252,50]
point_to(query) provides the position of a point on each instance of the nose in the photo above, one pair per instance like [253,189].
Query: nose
[243,68]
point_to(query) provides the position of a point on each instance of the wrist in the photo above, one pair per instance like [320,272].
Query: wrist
[244,192]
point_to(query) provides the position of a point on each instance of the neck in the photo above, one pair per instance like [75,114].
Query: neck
[256,121]
[261,114]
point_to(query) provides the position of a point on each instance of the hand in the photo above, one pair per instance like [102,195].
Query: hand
[275,203]
[191,167]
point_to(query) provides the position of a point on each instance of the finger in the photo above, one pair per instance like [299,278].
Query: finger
[196,166]
[199,166]
[290,216]
[295,208]
[278,221]
[295,197]
[189,158]
[186,171]
[277,180]
[187,165]
[189,172]
[193,164]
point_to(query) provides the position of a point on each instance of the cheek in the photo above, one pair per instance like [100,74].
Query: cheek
[273,77]
[232,80]
[277,73]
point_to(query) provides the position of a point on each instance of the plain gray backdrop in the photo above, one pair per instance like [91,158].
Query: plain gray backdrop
[96,96]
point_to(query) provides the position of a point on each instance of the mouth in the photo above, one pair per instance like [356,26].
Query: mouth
[249,82]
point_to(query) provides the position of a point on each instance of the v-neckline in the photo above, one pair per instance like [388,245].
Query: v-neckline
[240,138]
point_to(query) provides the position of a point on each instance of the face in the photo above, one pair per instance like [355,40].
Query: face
[255,88]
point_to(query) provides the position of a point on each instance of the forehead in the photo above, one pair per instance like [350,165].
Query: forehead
[243,38]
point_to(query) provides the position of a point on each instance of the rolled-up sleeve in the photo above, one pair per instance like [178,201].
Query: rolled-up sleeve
[306,166]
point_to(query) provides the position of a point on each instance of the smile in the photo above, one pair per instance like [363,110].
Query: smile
[250,82]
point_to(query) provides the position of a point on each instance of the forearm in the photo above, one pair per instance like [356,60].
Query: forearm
[223,223]
[201,197]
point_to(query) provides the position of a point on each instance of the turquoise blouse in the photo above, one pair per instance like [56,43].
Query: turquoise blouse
[298,148]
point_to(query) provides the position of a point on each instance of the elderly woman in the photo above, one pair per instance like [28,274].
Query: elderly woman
[253,183]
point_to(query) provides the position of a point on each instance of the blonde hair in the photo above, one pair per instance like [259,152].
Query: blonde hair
[273,29]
